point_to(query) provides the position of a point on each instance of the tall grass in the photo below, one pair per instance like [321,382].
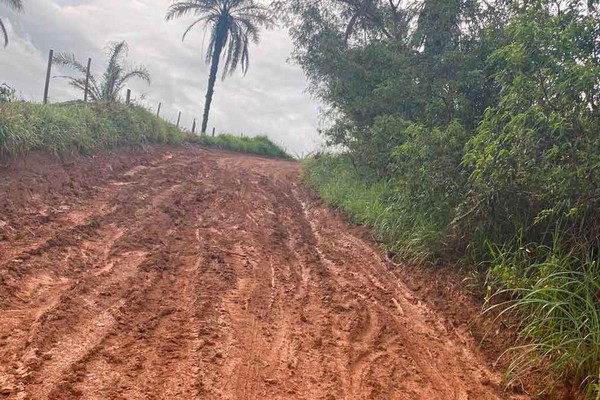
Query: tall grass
[80,128]
[376,204]
[260,145]
[560,315]
[76,127]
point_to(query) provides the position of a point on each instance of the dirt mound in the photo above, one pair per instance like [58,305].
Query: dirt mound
[188,274]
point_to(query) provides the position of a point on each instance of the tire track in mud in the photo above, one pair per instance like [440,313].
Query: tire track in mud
[420,345]
[156,339]
[88,300]
[210,275]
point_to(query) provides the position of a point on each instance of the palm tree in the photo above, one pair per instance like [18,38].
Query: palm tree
[115,76]
[15,5]
[233,24]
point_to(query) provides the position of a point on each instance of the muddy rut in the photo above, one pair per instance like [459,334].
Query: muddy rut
[192,274]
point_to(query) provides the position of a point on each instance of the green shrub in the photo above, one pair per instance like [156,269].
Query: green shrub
[535,160]
[7,93]
[535,181]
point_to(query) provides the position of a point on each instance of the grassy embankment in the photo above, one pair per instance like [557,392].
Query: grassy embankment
[260,145]
[78,128]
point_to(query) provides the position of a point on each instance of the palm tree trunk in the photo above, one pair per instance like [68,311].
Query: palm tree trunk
[214,67]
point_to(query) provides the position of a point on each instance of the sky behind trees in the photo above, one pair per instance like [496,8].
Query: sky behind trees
[270,99]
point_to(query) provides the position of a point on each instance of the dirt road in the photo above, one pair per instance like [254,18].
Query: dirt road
[189,274]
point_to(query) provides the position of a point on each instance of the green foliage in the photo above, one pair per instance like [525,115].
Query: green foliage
[77,127]
[7,93]
[67,128]
[260,145]
[558,309]
[427,168]
[233,25]
[471,129]
[535,158]
[374,203]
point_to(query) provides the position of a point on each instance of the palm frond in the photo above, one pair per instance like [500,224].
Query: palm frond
[203,20]
[211,45]
[4,33]
[108,87]
[69,60]
[94,92]
[79,83]
[14,4]
[244,20]
[117,73]
[141,73]
[232,54]
[116,51]
[197,7]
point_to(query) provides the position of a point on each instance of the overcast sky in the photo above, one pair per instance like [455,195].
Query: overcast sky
[270,99]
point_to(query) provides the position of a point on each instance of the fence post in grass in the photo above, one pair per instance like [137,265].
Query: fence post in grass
[158,110]
[87,80]
[178,118]
[213,131]
[48,72]
[194,126]
[128,98]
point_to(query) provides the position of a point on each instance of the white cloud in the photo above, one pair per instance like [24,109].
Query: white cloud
[270,99]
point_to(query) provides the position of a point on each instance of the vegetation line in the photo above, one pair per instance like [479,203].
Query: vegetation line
[80,128]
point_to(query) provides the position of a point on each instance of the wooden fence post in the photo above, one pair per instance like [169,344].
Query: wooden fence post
[194,126]
[178,118]
[158,110]
[87,80]
[128,98]
[48,72]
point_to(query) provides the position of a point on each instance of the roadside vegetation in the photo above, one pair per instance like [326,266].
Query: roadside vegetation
[86,128]
[77,127]
[105,122]
[260,145]
[470,131]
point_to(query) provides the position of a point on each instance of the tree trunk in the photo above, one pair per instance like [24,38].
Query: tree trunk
[214,67]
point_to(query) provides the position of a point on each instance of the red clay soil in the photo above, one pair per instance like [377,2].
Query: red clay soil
[194,274]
